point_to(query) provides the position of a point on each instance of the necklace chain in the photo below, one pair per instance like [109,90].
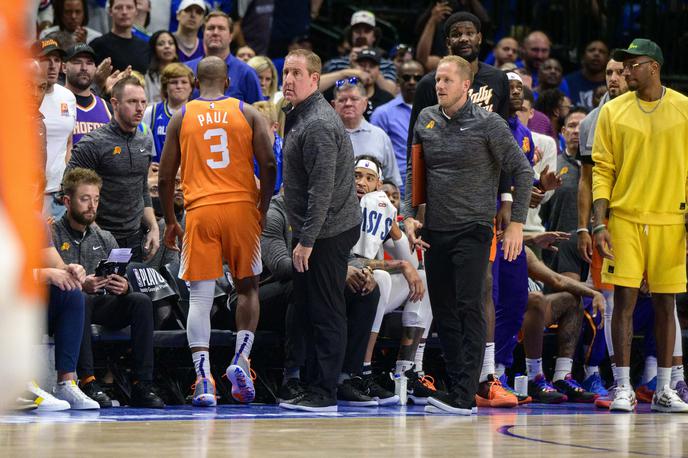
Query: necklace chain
[637,100]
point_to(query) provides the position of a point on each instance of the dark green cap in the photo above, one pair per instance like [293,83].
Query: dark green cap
[640,47]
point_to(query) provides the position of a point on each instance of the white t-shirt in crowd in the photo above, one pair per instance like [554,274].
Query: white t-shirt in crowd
[59,110]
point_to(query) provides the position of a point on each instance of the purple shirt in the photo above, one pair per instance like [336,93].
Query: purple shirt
[90,118]
[243,80]
[523,137]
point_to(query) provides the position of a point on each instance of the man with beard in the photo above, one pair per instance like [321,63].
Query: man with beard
[536,48]
[643,186]
[91,111]
[108,300]
[551,77]
[393,117]
[121,154]
[582,83]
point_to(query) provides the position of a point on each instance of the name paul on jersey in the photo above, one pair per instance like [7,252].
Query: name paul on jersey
[212,117]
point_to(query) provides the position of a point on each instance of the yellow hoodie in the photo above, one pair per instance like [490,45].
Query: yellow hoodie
[641,159]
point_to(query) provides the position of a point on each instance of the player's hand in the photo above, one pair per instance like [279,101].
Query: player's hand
[549,181]
[77,272]
[412,228]
[512,243]
[117,285]
[93,284]
[151,243]
[79,35]
[115,77]
[355,279]
[585,246]
[103,71]
[598,305]
[603,243]
[60,278]
[415,284]
[503,218]
[172,233]
[440,12]
[370,283]
[546,240]
[536,197]
[300,257]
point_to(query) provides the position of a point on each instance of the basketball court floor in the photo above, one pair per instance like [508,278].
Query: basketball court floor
[267,430]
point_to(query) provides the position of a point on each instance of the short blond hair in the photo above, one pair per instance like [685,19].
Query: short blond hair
[260,64]
[174,70]
[222,14]
[462,65]
[267,109]
[313,62]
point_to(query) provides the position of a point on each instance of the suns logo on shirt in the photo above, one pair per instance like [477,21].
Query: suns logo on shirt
[430,125]
[64,109]
[116,151]
[526,145]
[65,246]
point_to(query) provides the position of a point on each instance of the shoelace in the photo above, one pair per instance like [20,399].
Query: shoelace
[544,385]
[428,382]
[572,384]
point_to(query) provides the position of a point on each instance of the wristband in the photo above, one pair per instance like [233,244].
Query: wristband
[506,197]
[582,229]
[599,228]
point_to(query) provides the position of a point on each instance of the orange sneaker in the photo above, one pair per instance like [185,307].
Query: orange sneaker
[242,379]
[204,392]
[492,394]
[644,394]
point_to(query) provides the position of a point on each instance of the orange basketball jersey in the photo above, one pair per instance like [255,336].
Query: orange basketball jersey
[216,153]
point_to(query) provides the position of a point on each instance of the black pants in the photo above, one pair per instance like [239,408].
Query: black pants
[274,299]
[456,263]
[360,314]
[117,312]
[320,307]
[135,242]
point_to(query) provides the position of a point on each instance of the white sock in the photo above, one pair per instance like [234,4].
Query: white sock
[488,362]
[499,370]
[663,377]
[676,375]
[650,369]
[402,366]
[201,360]
[244,342]
[623,376]
[562,368]
[533,367]
[420,352]
[591,370]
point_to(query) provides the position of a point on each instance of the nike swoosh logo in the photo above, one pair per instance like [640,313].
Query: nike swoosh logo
[463,128]
[97,248]
[143,150]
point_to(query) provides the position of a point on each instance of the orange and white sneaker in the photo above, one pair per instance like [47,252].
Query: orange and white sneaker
[204,392]
[491,393]
[646,391]
[419,387]
[241,376]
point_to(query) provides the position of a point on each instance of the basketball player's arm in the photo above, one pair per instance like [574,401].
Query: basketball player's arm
[396,266]
[603,178]
[262,150]
[537,270]
[169,164]
[584,206]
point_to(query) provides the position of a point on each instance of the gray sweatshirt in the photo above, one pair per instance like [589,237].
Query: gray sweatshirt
[121,159]
[86,249]
[464,155]
[319,189]
[275,242]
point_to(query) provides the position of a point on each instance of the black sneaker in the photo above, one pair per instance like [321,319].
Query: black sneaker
[369,387]
[542,391]
[348,394]
[292,389]
[95,392]
[142,395]
[442,402]
[419,388]
[573,391]
[314,400]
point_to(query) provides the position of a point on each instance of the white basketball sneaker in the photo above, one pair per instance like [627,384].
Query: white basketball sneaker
[667,400]
[70,392]
[624,399]
[45,402]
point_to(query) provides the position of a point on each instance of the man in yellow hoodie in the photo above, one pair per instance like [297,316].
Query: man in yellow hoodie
[640,177]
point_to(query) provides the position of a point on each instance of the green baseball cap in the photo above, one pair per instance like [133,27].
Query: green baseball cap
[640,47]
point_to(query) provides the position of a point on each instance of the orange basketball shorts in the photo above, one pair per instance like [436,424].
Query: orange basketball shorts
[228,232]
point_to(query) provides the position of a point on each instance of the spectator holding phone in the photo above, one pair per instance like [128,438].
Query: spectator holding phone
[108,300]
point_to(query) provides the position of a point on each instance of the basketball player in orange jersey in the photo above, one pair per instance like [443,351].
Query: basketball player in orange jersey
[215,138]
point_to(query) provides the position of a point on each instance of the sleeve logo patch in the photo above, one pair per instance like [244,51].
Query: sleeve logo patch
[430,125]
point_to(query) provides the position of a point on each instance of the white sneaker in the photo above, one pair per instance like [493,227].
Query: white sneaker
[45,402]
[624,399]
[70,392]
[667,400]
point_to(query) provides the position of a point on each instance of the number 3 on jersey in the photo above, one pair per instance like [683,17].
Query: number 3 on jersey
[220,147]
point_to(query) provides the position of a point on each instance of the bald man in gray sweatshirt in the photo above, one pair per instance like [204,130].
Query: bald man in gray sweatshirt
[464,148]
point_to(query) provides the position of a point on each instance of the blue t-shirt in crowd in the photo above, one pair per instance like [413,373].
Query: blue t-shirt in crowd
[160,118]
[582,89]
[243,80]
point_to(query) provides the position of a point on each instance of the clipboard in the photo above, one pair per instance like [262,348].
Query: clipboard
[418,182]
